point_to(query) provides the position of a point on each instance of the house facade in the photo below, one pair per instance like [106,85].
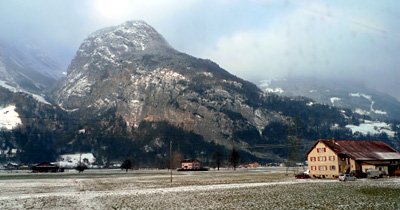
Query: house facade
[329,158]
[190,164]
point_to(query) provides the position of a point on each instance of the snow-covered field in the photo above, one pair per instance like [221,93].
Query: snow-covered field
[266,188]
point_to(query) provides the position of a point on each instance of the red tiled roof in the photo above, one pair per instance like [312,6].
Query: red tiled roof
[189,160]
[362,150]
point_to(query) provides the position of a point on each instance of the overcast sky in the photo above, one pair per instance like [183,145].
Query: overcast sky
[253,39]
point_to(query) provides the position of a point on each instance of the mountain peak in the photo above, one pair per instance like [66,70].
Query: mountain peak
[131,36]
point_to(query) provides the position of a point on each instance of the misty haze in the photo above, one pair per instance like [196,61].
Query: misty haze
[260,104]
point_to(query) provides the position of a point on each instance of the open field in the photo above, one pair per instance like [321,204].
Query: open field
[267,188]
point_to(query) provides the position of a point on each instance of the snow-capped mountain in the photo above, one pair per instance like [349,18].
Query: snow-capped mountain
[131,69]
[338,93]
[25,68]
[131,72]
[128,92]
[105,54]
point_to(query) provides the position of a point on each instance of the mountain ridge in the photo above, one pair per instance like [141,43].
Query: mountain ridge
[118,101]
[161,84]
[338,93]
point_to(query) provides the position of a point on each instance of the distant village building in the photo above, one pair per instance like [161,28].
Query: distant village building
[11,166]
[45,167]
[329,158]
[190,164]
[250,165]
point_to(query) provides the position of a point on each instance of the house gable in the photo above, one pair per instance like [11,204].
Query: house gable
[328,158]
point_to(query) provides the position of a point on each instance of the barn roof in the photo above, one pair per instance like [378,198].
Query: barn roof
[362,150]
[189,160]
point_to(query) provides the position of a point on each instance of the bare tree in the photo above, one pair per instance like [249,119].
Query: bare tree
[217,157]
[127,164]
[234,158]
[81,167]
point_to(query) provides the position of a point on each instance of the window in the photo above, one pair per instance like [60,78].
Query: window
[322,168]
[332,168]
[322,158]
[332,158]
[313,168]
[313,159]
[321,150]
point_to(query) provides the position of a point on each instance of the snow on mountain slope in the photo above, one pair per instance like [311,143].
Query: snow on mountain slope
[9,118]
[372,128]
[107,49]
[131,70]
[334,99]
[24,68]
[338,93]
[369,98]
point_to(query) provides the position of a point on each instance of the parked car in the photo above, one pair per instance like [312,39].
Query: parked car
[346,177]
[302,176]
[374,174]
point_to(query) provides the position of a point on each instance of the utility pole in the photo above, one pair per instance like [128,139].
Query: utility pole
[293,146]
[170,157]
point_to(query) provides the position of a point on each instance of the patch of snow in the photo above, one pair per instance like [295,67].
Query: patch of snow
[78,86]
[380,112]
[66,164]
[334,99]
[8,87]
[354,94]
[372,128]
[369,98]
[40,99]
[207,74]
[376,111]
[362,95]
[274,90]
[104,103]
[234,83]
[9,118]
[135,101]
[75,158]
[311,103]
[361,111]
[67,110]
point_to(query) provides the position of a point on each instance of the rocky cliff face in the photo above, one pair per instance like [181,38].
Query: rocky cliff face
[129,93]
[131,69]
